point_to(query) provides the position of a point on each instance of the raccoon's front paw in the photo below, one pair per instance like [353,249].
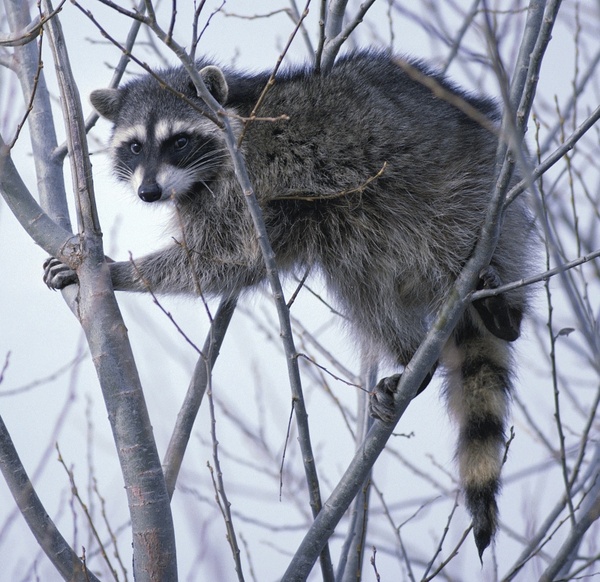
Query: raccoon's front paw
[381,404]
[57,275]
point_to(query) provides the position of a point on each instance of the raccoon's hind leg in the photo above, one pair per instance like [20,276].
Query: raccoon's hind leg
[498,315]
[478,390]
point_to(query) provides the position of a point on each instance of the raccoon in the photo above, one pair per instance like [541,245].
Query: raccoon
[364,175]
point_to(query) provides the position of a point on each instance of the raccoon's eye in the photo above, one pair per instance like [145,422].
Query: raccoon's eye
[181,142]
[135,147]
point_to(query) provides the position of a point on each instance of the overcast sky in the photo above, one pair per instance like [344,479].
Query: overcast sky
[43,337]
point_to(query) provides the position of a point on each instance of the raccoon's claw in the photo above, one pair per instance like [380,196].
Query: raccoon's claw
[57,275]
[381,404]
[499,317]
[489,278]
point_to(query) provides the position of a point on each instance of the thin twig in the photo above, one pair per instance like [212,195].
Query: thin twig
[467,22]
[31,31]
[309,359]
[438,550]
[84,508]
[271,80]
[219,486]
[62,556]
[358,189]
[545,276]
[255,210]
[195,393]
[41,381]
[450,557]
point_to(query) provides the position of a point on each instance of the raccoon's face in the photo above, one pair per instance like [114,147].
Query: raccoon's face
[167,159]
[163,148]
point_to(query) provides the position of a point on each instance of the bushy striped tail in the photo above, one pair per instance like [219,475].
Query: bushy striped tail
[478,387]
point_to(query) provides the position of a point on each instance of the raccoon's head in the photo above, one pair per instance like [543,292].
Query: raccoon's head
[161,146]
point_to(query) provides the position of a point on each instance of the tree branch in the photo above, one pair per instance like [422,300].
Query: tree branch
[195,394]
[429,350]
[61,151]
[335,37]
[41,228]
[29,32]
[272,276]
[98,312]
[352,553]
[57,549]
[586,516]
[536,278]
[51,189]
[555,156]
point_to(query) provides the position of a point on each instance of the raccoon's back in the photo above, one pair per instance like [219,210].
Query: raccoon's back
[380,183]
[342,128]
[377,141]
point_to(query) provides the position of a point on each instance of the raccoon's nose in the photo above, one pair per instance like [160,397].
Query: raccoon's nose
[150,192]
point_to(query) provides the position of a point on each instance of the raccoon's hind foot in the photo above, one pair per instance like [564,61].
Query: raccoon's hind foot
[381,404]
[57,275]
[498,315]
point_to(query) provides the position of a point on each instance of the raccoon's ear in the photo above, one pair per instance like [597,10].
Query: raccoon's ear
[107,102]
[215,82]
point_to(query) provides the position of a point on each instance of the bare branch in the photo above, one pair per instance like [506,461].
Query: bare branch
[467,22]
[353,550]
[42,229]
[219,486]
[438,550]
[335,37]
[135,15]
[272,276]
[271,80]
[295,16]
[428,352]
[31,31]
[61,151]
[536,278]
[51,189]
[51,541]
[586,516]
[84,508]
[197,388]
[555,156]
[98,312]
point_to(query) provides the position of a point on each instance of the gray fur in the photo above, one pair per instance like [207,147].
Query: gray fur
[373,180]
